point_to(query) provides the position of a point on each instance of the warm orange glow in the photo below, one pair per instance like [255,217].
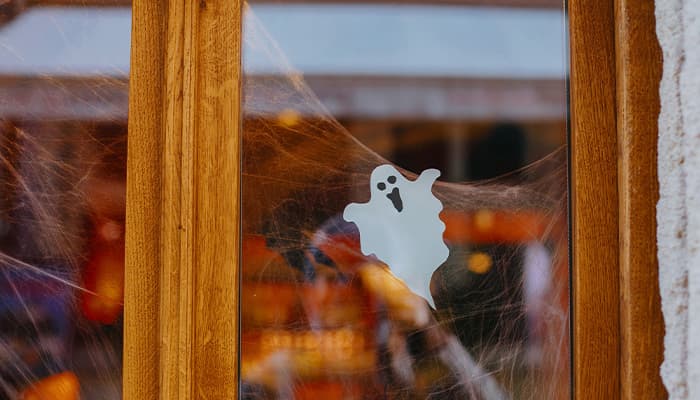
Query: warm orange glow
[63,386]
[330,341]
[309,353]
[268,304]
[327,390]
[344,250]
[494,226]
[104,278]
[479,263]
[288,118]
[260,260]
[402,303]
[484,220]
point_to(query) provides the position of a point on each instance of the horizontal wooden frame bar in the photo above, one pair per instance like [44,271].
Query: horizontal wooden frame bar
[80,3]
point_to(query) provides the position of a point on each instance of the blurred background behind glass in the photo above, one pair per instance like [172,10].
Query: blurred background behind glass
[64,69]
[476,89]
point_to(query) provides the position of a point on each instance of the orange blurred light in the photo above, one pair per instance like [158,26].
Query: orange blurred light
[344,250]
[494,226]
[63,386]
[479,263]
[104,280]
[325,390]
[288,118]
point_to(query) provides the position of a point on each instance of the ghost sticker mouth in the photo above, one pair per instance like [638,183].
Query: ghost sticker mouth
[395,198]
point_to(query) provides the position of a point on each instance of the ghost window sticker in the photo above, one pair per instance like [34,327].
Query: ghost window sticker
[401,226]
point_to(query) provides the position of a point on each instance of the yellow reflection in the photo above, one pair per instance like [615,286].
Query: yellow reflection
[479,263]
[484,220]
[288,118]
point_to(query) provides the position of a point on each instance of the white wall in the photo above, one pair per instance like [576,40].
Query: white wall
[678,216]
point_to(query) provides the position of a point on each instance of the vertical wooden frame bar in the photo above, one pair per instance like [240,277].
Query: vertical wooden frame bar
[618,328]
[594,200]
[639,65]
[183,200]
[141,371]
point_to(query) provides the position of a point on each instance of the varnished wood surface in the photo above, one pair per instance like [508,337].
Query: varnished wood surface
[217,187]
[594,201]
[183,201]
[639,66]
[141,373]
[80,3]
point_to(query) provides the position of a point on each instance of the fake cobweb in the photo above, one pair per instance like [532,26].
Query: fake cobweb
[322,320]
[319,319]
[62,202]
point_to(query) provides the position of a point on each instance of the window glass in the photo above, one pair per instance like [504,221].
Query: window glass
[63,125]
[404,201]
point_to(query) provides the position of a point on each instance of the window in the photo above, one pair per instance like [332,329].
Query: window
[251,132]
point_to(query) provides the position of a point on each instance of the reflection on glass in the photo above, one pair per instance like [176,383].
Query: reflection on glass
[331,93]
[63,106]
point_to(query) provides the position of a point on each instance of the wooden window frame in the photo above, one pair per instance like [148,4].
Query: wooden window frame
[183,210]
[180,322]
[615,69]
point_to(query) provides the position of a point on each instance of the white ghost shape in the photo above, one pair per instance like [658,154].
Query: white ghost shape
[401,226]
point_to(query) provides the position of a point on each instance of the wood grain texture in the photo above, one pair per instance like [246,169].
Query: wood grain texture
[183,201]
[639,66]
[80,3]
[594,201]
[217,184]
[141,373]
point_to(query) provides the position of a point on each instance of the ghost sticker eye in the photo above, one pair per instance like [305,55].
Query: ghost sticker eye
[381,186]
